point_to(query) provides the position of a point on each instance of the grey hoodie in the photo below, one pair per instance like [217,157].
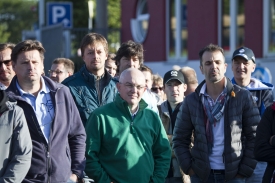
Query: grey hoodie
[15,141]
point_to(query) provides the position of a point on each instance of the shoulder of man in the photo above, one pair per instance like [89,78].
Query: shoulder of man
[71,79]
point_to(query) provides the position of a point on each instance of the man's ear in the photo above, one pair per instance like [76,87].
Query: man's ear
[201,69]
[254,67]
[184,87]
[118,86]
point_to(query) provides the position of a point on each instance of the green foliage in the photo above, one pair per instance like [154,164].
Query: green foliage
[4,35]
[15,16]
[114,14]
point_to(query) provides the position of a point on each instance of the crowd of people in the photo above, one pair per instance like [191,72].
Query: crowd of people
[115,121]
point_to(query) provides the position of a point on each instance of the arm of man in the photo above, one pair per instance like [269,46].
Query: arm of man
[182,136]
[94,169]
[267,100]
[250,120]
[263,150]
[21,150]
[76,138]
[162,154]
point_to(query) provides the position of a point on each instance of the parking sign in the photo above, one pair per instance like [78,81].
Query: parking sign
[60,13]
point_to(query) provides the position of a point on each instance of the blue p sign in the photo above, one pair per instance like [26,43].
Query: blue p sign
[60,13]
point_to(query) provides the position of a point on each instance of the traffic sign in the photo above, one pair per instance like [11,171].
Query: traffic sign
[263,74]
[60,13]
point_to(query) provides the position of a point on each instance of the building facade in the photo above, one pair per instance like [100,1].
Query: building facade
[173,31]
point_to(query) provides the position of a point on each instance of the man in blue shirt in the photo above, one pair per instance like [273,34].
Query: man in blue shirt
[58,140]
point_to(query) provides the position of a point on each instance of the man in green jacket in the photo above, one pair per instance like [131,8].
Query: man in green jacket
[126,141]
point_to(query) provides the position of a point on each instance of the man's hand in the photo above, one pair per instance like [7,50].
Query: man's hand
[74,178]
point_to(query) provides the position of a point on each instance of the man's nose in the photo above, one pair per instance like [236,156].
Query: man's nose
[131,62]
[3,66]
[242,65]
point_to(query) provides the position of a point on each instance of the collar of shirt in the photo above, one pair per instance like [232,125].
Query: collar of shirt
[203,92]
[96,77]
[135,113]
[203,88]
[44,88]
[2,86]
[42,106]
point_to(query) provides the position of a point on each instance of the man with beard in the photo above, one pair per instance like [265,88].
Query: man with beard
[6,71]
[92,86]
[220,115]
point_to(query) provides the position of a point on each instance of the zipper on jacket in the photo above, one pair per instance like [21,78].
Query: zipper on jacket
[132,127]
[49,141]
[48,165]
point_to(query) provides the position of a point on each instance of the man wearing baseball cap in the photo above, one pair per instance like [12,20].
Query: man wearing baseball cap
[174,88]
[243,64]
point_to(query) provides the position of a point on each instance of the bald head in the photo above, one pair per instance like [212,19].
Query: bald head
[190,78]
[131,87]
[133,74]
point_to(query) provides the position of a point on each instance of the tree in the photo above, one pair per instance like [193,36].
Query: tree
[15,16]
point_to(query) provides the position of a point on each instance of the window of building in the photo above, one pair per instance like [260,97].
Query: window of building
[232,22]
[139,25]
[177,28]
[269,28]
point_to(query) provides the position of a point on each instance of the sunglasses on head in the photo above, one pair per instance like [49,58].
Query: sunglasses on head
[6,62]
[157,88]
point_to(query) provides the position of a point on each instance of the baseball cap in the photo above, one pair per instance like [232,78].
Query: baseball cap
[173,74]
[245,53]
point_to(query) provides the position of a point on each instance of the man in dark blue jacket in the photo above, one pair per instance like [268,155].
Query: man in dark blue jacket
[57,133]
[92,86]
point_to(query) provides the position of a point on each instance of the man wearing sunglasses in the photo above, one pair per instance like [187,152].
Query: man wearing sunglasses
[6,71]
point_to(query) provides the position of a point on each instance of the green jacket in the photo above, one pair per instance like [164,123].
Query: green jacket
[122,149]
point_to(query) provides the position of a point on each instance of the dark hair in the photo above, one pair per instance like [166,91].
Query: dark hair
[111,56]
[129,49]
[91,39]
[68,64]
[4,46]
[210,48]
[27,45]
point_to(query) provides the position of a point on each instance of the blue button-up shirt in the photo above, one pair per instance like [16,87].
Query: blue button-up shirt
[42,106]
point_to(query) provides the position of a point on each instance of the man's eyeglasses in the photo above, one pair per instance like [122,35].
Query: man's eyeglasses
[6,62]
[131,86]
[51,72]
[157,88]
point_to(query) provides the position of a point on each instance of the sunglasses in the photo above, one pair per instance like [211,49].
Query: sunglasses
[6,62]
[157,88]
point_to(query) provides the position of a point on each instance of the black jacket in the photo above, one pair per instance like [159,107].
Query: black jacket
[264,151]
[65,152]
[241,117]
